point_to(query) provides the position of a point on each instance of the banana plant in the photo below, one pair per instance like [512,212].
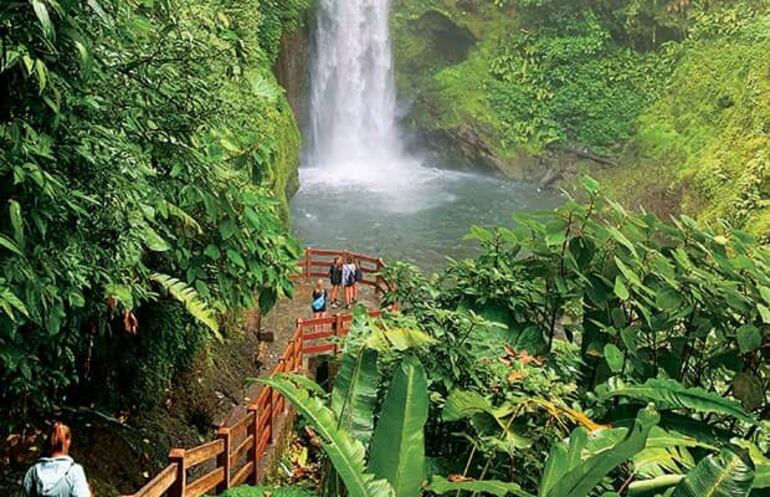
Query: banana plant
[566,474]
[355,393]
[397,461]
[670,394]
[398,448]
[728,473]
[347,454]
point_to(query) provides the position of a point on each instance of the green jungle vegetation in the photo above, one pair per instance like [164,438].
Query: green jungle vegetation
[589,351]
[675,92]
[146,151]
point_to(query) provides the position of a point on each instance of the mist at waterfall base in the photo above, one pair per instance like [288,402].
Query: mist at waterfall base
[359,188]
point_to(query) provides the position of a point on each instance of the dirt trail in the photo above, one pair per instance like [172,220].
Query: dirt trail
[281,321]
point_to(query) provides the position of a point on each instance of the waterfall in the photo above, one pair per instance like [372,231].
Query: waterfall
[353,132]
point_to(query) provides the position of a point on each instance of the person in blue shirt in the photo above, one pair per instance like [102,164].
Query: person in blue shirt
[57,475]
[319,298]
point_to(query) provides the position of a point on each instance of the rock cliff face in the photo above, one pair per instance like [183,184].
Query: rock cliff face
[291,68]
[442,54]
[445,54]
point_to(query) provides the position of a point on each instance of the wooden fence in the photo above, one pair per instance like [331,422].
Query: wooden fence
[237,450]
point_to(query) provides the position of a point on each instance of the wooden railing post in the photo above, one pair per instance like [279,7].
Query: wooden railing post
[308,257]
[337,331]
[378,279]
[179,488]
[300,362]
[253,430]
[281,369]
[270,411]
[223,459]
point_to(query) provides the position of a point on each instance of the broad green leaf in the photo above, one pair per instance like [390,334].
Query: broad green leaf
[41,12]
[213,252]
[236,258]
[581,479]
[726,474]
[122,294]
[440,485]
[764,292]
[620,289]
[154,241]
[16,221]
[398,339]
[591,185]
[764,312]
[749,338]
[261,87]
[462,404]
[614,357]
[345,452]
[628,273]
[398,446]
[10,245]
[670,394]
[227,229]
[621,239]
[355,393]
[12,302]
[761,463]
[480,234]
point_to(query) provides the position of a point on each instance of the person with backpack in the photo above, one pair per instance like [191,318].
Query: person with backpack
[320,296]
[57,475]
[335,278]
[349,281]
[358,276]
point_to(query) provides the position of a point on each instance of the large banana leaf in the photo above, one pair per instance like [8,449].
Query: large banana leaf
[727,474]
[670,394]
[440,485]
[355,393]
[580,478]
[398,447]
[665,452]
[761,463]
[345,452]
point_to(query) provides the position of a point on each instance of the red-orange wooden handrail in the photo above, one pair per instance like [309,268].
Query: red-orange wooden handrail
[248,437]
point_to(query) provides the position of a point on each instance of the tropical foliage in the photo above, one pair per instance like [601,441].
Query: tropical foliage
[588,351]
[669,94]
[144,148]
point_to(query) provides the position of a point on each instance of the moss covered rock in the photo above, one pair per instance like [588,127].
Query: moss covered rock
[706,142]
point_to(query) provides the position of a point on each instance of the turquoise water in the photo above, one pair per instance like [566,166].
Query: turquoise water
[419,217]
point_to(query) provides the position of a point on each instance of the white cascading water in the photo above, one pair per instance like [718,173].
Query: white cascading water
[353,134]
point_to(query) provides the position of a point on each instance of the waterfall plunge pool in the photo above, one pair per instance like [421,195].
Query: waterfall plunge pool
[415,214]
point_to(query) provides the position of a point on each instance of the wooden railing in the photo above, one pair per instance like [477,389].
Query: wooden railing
[316,263]
[234,457]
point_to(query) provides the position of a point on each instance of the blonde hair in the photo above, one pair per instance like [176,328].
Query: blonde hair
[60,438]
[319,284]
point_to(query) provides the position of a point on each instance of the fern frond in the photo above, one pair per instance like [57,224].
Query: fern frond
[194,304]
